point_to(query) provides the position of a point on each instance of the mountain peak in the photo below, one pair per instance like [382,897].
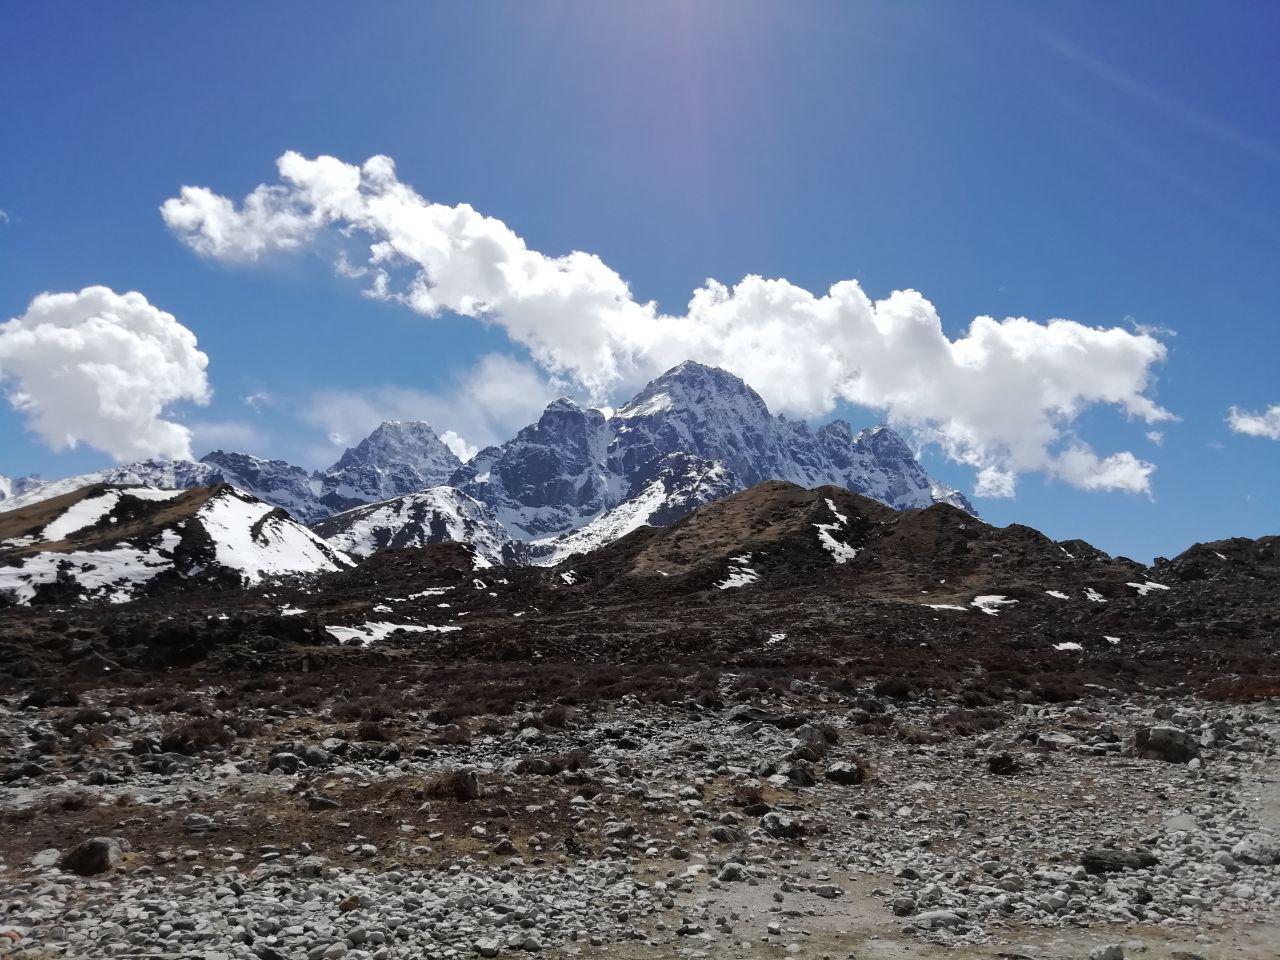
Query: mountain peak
[398,457]
[405,440]
[563,404]
[692,384]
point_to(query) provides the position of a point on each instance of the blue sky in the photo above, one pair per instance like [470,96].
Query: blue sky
[1116,165]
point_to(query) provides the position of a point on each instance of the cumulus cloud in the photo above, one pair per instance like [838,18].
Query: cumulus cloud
[1002,397]
[101,368]
[486,405]
[463,449]
[1264,424]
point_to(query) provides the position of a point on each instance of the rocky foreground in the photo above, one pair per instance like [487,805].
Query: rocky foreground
[727,813]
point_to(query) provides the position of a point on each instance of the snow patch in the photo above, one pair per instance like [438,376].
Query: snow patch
[740,575]
[114,574]
[991,603]
[1145,588]
[372,631]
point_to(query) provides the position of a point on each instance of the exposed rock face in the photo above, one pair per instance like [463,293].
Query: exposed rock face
[274,481]
[680,483]
[399,457]
[575,479]
[552,477]
[574,465]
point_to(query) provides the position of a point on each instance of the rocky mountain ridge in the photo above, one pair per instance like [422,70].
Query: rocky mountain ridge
[121,543]
[569,482]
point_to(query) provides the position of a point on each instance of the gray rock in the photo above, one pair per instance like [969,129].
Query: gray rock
[1258,849]
[846,774]
[94,856]
[1170,744]
[1107,860]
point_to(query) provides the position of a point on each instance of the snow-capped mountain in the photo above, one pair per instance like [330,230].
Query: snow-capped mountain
[574,465]
[273,481]
[552,477]
[118,543]
[11,487]
[436,515]
[399,457]
[160,474]
[573,481]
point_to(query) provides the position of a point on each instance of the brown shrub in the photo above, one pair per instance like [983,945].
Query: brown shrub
[197,735]
[369,731]
[557,716]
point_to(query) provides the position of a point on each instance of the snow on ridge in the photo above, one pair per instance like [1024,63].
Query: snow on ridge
[256,545]
[433,515]
[90,510]
[840,552]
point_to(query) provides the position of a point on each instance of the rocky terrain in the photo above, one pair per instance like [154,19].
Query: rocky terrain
[792,723]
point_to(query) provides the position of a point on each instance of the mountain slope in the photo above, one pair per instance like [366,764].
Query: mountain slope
[119,543]
[160,474]
[682,483]
[437,515]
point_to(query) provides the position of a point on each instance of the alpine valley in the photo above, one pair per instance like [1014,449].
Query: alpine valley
[687,680]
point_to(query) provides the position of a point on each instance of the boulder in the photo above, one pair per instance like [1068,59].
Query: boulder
[1107,860]
[1171,744]
[846,774]
[93,856]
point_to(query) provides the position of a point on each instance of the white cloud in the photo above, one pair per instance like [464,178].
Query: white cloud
[1156,437]
[1264,424]
[1081,467]
[461,447]
[257,400]
[1001,398]
[486,405]
[100,368]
